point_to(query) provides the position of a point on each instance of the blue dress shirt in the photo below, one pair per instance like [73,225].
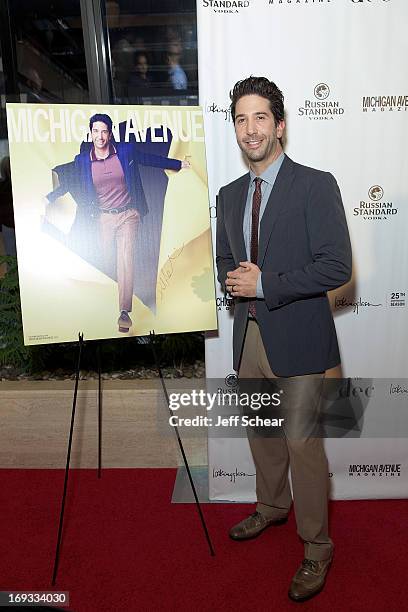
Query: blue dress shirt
[268,180]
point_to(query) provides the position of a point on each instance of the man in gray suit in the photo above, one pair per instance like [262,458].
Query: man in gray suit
[282,243]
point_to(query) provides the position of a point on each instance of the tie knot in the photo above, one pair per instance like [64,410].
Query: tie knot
[258,182]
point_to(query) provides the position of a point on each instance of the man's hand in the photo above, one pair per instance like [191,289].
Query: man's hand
[185,164]
[242,281]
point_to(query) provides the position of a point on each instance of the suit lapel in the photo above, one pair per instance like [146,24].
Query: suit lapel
[275,204]
[238,219]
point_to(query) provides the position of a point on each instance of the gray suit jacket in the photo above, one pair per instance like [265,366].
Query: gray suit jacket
[304,251]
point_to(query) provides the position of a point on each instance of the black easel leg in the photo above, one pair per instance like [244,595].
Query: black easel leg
[57,552]
[98,356]
[180,443]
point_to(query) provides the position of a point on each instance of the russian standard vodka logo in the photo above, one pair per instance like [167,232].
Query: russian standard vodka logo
[321,91]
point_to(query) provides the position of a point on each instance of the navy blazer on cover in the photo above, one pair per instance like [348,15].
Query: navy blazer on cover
[76,177]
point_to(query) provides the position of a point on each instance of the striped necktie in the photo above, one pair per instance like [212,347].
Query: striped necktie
[256,206]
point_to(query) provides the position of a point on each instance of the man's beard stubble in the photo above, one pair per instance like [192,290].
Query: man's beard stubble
[260,154]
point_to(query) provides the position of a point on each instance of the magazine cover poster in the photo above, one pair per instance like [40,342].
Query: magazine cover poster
[112,220]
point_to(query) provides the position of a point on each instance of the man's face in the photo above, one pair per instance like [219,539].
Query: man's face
[175,47]
[141,65]
[100,135]
[256,132]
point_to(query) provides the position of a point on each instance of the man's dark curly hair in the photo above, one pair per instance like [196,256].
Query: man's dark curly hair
[103,119]
[259,86]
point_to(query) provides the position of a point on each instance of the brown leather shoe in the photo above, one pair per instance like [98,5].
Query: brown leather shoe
[124,322]
[309,579]
[253,525]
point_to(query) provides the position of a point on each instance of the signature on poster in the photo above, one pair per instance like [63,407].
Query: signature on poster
[167,271]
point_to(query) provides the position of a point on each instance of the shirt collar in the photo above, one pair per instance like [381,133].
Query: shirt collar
[269,175]
[112,151]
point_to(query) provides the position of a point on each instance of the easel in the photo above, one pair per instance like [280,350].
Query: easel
[152,342]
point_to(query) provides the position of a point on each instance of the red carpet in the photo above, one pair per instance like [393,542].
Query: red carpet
[126,547]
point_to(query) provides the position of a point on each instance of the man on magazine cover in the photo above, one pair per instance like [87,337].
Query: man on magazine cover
[106,184]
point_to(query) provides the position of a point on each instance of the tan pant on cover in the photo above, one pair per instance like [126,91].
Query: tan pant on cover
[117,235]
[305,456]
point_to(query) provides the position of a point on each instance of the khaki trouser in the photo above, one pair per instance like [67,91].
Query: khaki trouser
[305,455]
[117,235]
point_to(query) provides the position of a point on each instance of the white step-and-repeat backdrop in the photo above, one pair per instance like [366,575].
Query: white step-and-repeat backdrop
[340,65]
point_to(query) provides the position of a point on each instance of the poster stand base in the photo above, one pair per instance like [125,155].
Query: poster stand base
[182,493]
[99,471]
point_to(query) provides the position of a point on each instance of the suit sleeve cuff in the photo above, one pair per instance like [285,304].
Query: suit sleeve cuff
[259,288]
[273,296]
